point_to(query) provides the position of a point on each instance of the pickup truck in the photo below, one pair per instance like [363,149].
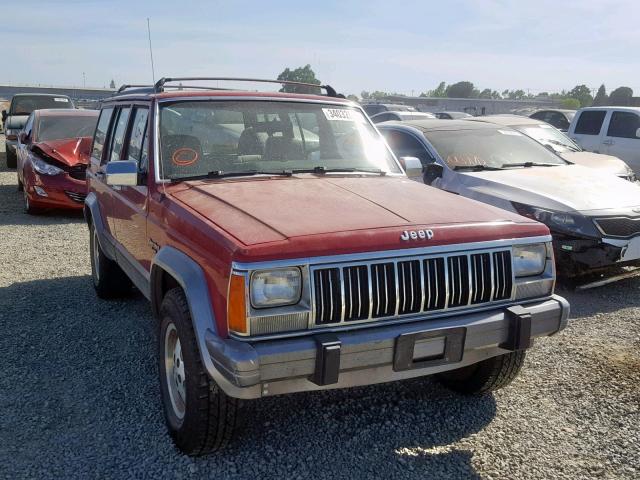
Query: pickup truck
[283,249]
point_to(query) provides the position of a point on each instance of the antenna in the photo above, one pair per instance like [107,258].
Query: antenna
[153,72]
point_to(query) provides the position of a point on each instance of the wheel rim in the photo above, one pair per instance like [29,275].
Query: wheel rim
[174,371]
[96,258]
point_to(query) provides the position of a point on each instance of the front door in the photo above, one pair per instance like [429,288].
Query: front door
[622,140]
[588,130]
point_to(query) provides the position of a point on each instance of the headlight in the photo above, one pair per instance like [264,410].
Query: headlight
[275,288]
[45,168]
[529,260]
[559,221]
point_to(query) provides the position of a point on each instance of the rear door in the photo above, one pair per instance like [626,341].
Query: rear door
[621,139]
[131,202]
[587,129]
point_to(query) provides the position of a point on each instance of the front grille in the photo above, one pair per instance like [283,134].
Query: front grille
[390,288]
[75,196]
[623,227]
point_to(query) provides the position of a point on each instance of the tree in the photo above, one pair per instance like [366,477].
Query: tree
[571,103]
[601,97]
[353,98]
[365,95]
[112,84]
[460,90]
[582,93]
[621,96]
[440,91]
[486,93]
[301,74]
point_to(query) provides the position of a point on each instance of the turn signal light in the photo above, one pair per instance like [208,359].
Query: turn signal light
[237,305]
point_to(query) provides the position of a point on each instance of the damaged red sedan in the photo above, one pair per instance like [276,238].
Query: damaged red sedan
[53,154]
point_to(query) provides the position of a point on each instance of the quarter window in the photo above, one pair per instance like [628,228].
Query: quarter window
[100,137]
[138,130]
[119,131]
[623,125]
[590,122]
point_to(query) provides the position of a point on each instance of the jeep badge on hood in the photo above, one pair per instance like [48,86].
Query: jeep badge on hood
[416,234]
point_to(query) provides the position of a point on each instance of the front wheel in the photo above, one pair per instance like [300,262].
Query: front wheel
[28,207]
[12,159]
[200,417]
[485,376]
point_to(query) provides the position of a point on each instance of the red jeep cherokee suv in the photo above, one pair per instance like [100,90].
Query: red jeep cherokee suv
[283,249]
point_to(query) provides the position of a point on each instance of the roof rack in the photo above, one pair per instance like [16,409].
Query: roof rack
[160,85]
[126,86]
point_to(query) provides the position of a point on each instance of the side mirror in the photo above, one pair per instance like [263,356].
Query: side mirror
[123,173]
[412,166]
[4,115]
[432,171]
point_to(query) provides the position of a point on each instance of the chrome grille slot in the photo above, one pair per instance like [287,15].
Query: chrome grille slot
[502,277]
[458,268]
[434,284]
[356,292]
[368,290]
[480,277]
[383,285]
[410,287]
[328,301]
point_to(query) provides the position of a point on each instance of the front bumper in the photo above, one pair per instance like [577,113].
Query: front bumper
[578,256]
[378,354]
[62,191]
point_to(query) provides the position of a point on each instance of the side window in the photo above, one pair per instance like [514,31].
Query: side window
[119,132]
[100,136]
[138,131]
[590,122]
[405,145]
[383,117]
[539,115]
[28,127]
[559,121]
[623,125]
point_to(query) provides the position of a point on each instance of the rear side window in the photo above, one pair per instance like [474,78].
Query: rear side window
[623,125]
[100,136]
[119,132]
[590,122]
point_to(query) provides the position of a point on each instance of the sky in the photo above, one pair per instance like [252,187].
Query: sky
[406,47]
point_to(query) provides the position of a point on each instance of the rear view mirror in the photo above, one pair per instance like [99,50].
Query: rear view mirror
[122,173]
[432,171]
[412,166]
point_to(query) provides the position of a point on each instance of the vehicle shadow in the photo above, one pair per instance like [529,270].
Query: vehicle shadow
[12,210]
[81,384]
[607,298]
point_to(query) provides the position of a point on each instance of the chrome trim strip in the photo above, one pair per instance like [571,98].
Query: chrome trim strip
[341,280]
[390,254]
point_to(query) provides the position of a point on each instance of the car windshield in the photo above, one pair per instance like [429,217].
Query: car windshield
[547,135]
[488,147]
[25,105]
[200,138]
[54,128]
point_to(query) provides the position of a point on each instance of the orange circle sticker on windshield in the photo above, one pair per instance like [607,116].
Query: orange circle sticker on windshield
[183,157]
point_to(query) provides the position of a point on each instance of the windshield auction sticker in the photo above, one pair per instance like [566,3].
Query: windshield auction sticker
[342,114]
[510,132]
[60,99]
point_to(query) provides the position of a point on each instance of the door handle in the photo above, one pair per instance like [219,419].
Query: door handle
[608,142]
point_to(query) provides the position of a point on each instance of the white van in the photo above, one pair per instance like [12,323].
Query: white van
[609,130]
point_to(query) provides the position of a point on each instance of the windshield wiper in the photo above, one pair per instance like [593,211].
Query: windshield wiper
[321,170]
[223,174]
[475,168]
[530,164]
[560,144]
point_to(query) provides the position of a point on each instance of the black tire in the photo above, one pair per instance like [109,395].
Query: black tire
[109,280]
[12,159]
[20,186]
[485,376]
[207,419]
[28,208]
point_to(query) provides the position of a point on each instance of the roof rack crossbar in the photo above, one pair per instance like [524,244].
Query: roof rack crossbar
[127,86]
[160,84]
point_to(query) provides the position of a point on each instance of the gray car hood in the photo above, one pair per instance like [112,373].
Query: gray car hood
[604,163]
[563,188]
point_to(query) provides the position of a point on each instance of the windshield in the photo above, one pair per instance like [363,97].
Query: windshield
[201,137]
[547,135]
[55,128]
[489,148]
[25,105]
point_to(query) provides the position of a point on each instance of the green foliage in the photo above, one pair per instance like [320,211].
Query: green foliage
[621,97]
[353,98]
[460,90]
[582,93]
[301,74]
[601,97]
[571,103]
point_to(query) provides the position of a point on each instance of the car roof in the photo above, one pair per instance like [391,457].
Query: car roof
[605,107]
[507,120]
[435,124]
[66,112]
[40,95]
[561,110]
[403,112]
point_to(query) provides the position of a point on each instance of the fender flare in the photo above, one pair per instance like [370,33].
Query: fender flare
[93,217]
[225,360]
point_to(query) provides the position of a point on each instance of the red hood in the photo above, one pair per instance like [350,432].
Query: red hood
[304,215]
[69,151]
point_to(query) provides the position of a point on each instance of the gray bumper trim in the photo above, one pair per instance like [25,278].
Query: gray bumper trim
[367,356]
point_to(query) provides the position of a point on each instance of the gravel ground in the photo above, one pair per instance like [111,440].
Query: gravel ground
[80,395]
